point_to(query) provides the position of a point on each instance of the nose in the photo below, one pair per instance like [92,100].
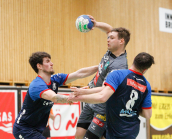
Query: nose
[52,63]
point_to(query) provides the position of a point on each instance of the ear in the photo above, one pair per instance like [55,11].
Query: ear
[122,41]
[39,66]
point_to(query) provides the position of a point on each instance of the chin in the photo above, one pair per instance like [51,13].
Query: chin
[52,72]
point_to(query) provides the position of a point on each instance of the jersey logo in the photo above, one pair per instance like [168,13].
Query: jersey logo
[106,58]
[106,65]
[98,122]
[96,78]
[136,85]
[129,105]
[100,67]
[54,86]
[138,78]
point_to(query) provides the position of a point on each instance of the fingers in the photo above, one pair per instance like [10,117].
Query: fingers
[73,88]
[85,87]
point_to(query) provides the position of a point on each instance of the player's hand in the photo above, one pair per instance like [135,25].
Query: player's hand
[85,87]
[93,20]
[71,98]
[76,91]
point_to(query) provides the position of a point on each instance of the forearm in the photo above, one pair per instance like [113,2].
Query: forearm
[52,116]
[92,98]
[91,91]
[104,27]
[60,98]
[84,72]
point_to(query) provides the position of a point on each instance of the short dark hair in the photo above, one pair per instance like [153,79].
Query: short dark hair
[122,33]
[143,61]
[36,58]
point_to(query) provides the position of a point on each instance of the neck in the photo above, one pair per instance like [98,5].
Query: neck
[45,77]
[133,68]
[118,52]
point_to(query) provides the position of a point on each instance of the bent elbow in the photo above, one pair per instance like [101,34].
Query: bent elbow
[102,99]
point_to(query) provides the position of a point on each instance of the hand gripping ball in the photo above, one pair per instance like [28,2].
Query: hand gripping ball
[83,23]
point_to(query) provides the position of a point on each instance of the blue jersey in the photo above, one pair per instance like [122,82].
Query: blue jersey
[132,92]
[35,110]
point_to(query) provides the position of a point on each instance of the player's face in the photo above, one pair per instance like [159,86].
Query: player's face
[113,41]
[47,66]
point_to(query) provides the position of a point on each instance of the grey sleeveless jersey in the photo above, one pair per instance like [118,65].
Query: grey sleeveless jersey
[108,63]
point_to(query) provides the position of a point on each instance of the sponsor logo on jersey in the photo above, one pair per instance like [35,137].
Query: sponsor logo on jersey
[102,117]
[54,86]
[96,78]
[138,79]
[100,67]
[93,127]
[106,65]
[136,85]
[106,58]
[47,103]
[98,122]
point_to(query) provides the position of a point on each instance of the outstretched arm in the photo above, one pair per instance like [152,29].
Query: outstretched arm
[101,25]
[52,96]
[100,97]
[82,91]
[81,73]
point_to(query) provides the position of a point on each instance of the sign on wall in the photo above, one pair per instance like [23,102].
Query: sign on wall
[8,112]
[165,20]
[66,116]
[64,124]
[161,120]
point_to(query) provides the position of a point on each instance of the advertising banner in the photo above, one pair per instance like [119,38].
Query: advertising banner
[161,120]
[66,117]
[8,112]
[64,124]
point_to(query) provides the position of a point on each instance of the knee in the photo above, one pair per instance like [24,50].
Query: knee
[79,135]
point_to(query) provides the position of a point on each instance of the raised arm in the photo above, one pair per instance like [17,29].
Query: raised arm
[81,73]
[101,25]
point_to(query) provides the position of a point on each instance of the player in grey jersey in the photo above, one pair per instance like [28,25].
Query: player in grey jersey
[92,121]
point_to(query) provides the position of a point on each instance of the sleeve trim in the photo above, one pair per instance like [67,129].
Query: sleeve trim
[65,79]
[147,108]
[109,86]
[43,92]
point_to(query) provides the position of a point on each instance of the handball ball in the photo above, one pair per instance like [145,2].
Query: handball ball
[83,23]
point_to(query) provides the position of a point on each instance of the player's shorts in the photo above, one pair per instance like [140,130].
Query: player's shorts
[97,121]
[27,134]
[46,132]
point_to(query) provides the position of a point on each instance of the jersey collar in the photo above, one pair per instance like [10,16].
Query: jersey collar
[44,81]
[136,72]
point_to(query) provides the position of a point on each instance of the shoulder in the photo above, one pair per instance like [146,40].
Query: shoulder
[37,81]
[147,83]
[58,76]
[121,72]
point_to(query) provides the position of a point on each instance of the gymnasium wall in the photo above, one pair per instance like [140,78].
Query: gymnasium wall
[27,26]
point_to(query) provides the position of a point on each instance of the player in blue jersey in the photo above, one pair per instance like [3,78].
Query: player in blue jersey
[115,58]
[41,95]
[127,94]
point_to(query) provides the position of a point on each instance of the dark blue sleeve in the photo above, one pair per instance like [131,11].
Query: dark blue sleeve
[147,102]
[60,78]
[36,88]
[112,80]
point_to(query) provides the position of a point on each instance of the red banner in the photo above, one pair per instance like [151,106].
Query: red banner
[8,113]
